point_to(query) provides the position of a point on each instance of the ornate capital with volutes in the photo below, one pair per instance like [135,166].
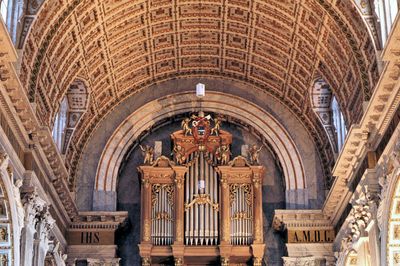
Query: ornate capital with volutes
[33,206]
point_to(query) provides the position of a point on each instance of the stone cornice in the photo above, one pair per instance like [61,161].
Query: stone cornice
[31,134]
[98,220]
[366,135]
[299,219]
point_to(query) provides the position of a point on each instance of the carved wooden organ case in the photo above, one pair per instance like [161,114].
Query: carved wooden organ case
[201,207]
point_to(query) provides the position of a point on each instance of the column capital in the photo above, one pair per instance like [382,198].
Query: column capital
[47,223]
[33,206]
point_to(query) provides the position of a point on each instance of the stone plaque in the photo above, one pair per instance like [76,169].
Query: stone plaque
[311,236]
[91,237]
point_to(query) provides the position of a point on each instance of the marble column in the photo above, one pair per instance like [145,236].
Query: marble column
[33,206]
[41,243]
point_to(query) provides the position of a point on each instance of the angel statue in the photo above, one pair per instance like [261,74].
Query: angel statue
[148,153]
[223,154]
[179,152]
[217,126]
[185,126]
[254,154]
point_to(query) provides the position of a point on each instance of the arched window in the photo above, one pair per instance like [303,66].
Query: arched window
[4,9]
[327,109]
[73,106]
[338,123]
[60,123]
[386,11]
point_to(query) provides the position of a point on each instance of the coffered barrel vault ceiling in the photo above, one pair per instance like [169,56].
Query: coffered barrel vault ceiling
[120,46]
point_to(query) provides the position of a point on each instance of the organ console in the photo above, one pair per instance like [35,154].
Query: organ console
[201,207]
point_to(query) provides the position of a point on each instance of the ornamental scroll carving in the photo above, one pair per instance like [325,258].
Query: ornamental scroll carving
[362,213]
[156,188]
[202,199]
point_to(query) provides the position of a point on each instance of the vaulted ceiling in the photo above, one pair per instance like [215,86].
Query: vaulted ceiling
[119,46]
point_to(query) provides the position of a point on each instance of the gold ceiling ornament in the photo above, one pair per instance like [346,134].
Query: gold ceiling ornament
[202,199]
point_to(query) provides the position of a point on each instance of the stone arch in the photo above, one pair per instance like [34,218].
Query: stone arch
[388,213]
[147,115]
[8,203]
[390,234]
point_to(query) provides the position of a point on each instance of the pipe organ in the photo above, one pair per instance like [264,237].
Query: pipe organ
[200,207]
[201,200]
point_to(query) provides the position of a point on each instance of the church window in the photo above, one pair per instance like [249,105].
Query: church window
[60,124]
[386,11]
[3,9]
[339,124]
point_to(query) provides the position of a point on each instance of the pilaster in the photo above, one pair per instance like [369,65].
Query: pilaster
[41,243]
[33,206]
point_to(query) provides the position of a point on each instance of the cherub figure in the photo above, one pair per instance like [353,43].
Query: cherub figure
[148,153]
[179,152]
[185,126]
[254,154]
[217,126]
[223,154]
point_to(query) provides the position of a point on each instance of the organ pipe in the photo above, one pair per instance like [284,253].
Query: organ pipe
[201,203]
[161,214]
